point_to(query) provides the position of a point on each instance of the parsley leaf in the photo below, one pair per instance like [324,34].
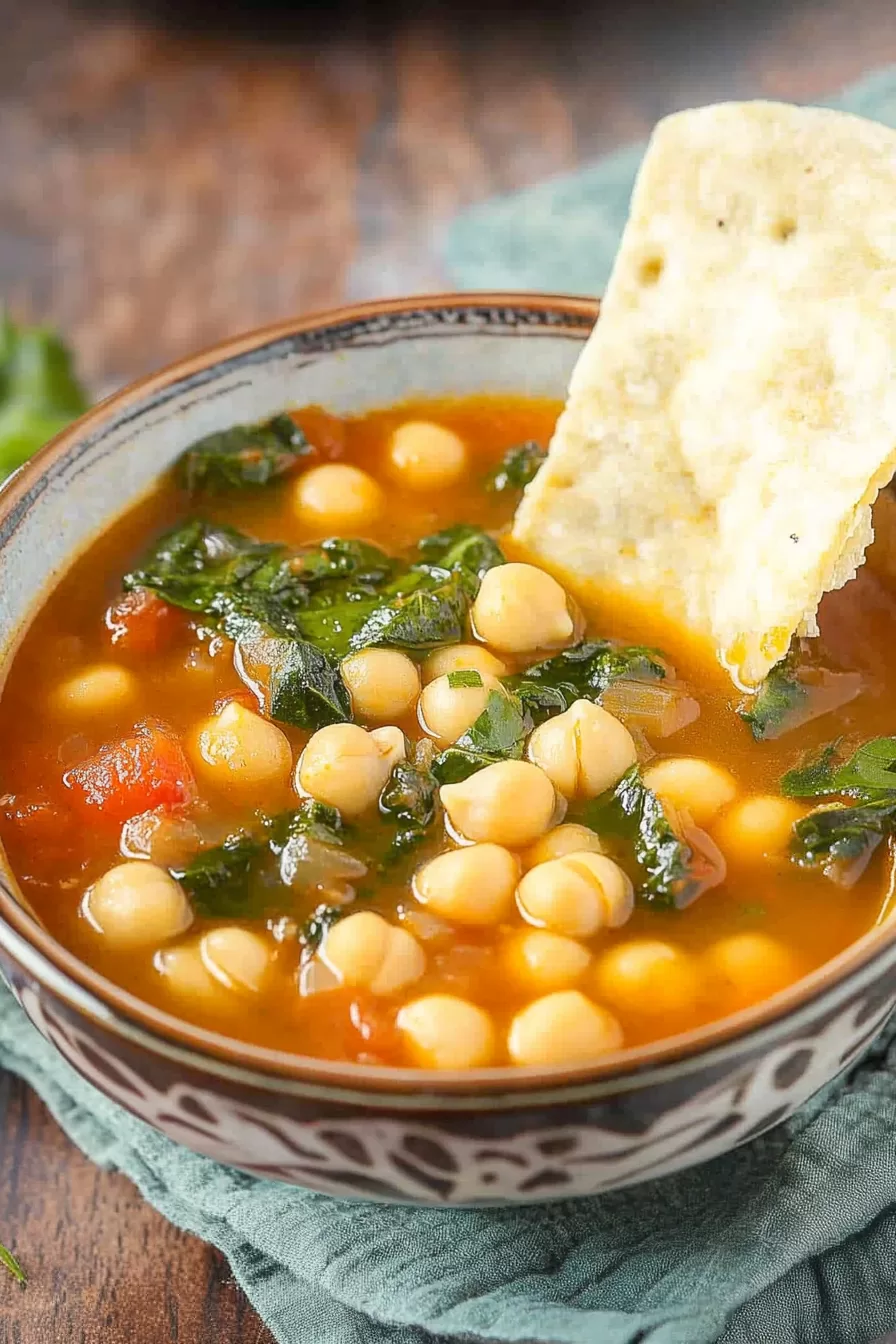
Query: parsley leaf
[9,1262]
[39,392]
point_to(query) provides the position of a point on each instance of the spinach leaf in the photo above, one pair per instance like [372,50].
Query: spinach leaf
[540,701]
[312,931]
[337,558]
[243,457]
[585,670]
[218,881]
[39,393]
[462,547]
[201,566]
[870,769]
[498,734]
[517,467]
[781,694]
[662,861]
[304,686]
[841,837]
[422,609]
[408,802]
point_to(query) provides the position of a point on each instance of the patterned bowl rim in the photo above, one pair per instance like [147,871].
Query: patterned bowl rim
[108,1005]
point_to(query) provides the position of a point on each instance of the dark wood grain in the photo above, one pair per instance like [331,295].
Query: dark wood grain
[176,172]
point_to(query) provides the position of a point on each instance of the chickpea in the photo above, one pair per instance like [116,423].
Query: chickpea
[750,967]
[442,1031]
[104,688]
[509,803]
[576,895]
[569,838]
[367,952]
[474,885]
[137,904]
[584,751]
[562,1028]
[462,658]
[520,609]
[425,456]
[383,683]
[690,785]
[543,961]
[337,497]
[648,977]
[756,828]
[346,767]
[393,745]
[446,712]
[188,979]
[237,957]
[238,749]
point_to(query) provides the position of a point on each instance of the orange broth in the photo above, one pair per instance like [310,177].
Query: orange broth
[55,861]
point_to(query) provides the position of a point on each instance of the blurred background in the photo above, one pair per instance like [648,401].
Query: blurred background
[171,173]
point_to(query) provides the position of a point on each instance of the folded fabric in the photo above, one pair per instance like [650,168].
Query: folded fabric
[791,1240]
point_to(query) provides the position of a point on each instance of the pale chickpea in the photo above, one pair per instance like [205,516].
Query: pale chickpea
[392,744]
[509,803]
[584,751]
[366,952]
[570,838]
[688,784]
[462,658]
[188,979]
[750,967]
[577,895]
[756,828]
[442,1031]
[383,683]
[345,767]
[337,497]
[426,456]
[474,885]
[562,1028]
[137,904]
[543,961]
[446,712]
[520,609]
[238,749]
[104,688]
[237,957]
[649,977]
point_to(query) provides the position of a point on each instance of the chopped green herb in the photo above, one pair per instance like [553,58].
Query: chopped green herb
[244,456]
[872,767]
[9,1262]
[217,880]
[779,697]
[498,734]
[39,392]
[408,802]
[661,861]
[464,679]
[517,468]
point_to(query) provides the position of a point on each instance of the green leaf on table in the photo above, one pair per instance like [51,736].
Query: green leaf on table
[10,1263]
[517,467]
[243,457]
[659,860]
[39,392]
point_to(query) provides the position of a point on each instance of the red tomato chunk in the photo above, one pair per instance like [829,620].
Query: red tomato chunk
[141,622]
[136,775]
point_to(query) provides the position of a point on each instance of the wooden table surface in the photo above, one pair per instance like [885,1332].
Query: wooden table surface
[162,187]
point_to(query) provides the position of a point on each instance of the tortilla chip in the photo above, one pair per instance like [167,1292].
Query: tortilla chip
[733,414]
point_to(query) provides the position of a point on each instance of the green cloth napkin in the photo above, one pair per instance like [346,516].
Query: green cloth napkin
[791,1240]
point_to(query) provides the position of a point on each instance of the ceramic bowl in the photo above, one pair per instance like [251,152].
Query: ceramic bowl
[492,1136]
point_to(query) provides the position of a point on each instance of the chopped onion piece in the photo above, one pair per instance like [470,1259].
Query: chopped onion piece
[656,707]
[168,841]
[307,862]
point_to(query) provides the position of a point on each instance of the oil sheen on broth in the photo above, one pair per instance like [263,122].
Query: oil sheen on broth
[611,860]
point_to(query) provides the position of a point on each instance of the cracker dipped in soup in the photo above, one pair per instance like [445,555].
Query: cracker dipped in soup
[334,746]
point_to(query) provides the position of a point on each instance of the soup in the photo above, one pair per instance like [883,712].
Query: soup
[303,752]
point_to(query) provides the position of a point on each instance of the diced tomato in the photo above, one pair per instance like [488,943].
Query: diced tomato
[35,823]
[141,622]
[140,773]
[324,432]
